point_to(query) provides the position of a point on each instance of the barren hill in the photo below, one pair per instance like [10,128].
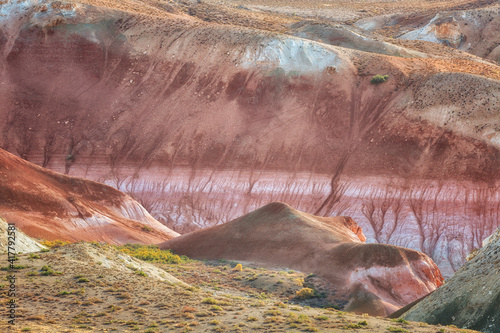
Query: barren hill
[387,277]
[205,111]
[470,299]
[45,204]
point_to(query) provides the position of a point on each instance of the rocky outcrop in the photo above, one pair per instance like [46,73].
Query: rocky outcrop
[277,234]
[470,299]
[45,204]
[474,31]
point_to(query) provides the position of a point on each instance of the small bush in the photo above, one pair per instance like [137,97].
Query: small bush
[272,313]
[151,253]
[302,319]
[305,293]
[216,308]
[238,268]
[400,320]
[141,273]
[6,268]
[352,325]
[379,79]
[146,228]
[209,301]
[396,329]
[46,270]
[82,280]
[54,243]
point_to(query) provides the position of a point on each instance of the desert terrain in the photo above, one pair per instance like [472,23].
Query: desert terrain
[85,287]
[372,128]
[206,111]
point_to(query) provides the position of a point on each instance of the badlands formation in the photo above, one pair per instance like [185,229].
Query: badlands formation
[204,111]
[52,206]
[376,279]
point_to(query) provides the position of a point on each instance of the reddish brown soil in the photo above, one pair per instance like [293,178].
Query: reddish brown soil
[278,235]
[125,85]
[48,205]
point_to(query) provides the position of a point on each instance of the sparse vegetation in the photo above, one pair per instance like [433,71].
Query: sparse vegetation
[121,298]
[146,228]
[54,244]
[152,253]
[209,301]
[305,293]
[400,320]
[379,79]
[46,271]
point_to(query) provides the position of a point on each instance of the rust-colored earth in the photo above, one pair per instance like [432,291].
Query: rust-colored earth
[375,278]
[48,205]
[205,111]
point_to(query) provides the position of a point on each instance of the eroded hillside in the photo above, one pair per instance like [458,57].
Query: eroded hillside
[371,278]
[48,205]
[204,112]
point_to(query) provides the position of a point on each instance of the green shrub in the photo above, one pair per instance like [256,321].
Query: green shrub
[305,293]
[146,228]
[209,301]
[46,270]
[379,79]
[141,273]
[54,243]
[216,308]
[151,253]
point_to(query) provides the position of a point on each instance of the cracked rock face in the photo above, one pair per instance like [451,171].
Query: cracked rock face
[471,298]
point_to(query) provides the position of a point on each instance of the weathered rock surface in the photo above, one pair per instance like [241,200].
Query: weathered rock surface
[23,243]
[471,298]
[276,234]
[48,205]
[204,112]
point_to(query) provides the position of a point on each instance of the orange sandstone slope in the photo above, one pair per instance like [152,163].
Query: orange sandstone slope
[49,205]
[377,278]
